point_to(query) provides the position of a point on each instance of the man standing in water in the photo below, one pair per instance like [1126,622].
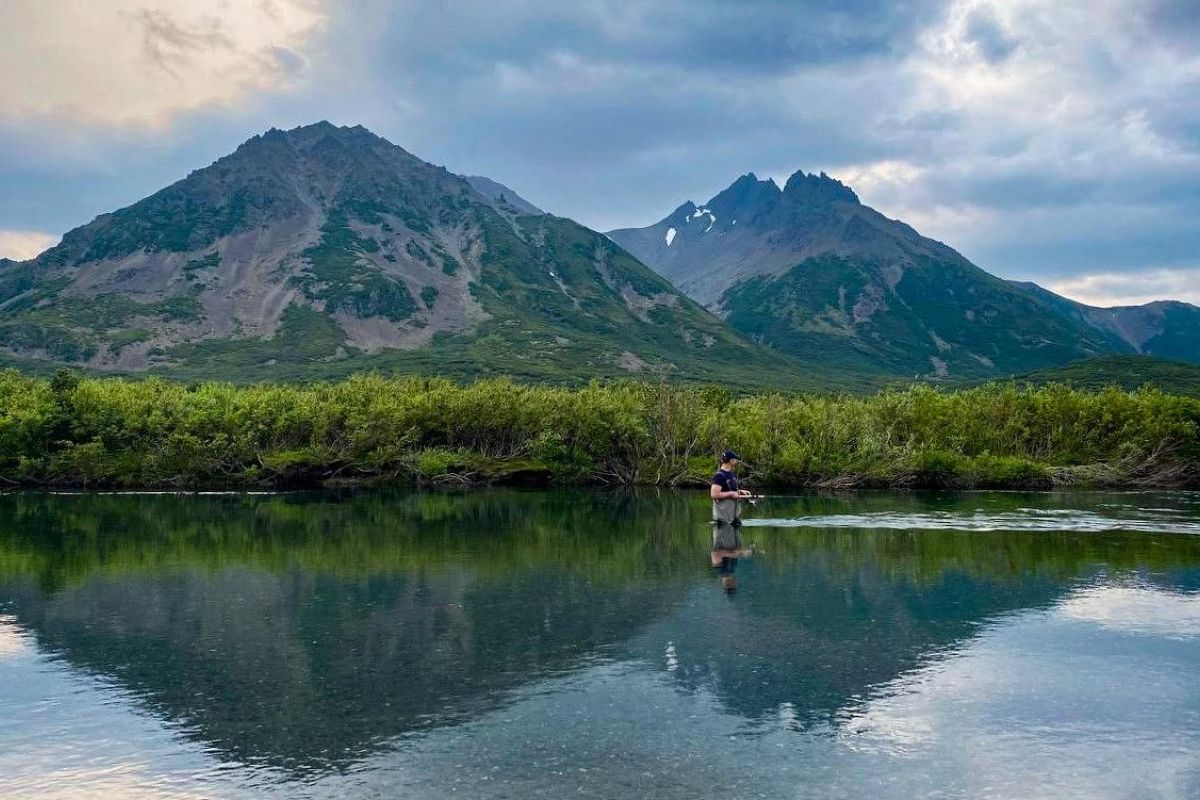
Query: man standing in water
[725,493]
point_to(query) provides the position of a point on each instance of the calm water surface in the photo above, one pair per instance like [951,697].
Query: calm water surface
[542,644]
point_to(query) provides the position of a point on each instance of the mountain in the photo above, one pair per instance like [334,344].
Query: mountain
[1165,328]
[501,194]
[755,229]
[812,272]
[325,250]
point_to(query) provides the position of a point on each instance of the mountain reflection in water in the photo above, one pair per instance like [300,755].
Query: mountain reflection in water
[299,638]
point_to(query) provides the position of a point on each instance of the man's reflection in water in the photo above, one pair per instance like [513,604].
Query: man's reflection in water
[727,548]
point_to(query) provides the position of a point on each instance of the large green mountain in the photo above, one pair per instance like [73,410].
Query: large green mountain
[325,250]
[814,273]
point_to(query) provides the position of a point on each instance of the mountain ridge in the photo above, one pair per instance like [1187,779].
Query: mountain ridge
[501,194]
[323,250]
[1168,329]
[811,271]
[778,229]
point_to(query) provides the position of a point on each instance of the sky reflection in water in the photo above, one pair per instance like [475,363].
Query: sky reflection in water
[517,644]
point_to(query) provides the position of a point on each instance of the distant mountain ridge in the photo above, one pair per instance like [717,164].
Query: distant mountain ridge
[812,272]
[1168,329]
[324,250]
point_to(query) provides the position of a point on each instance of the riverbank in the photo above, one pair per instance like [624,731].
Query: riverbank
[153,434]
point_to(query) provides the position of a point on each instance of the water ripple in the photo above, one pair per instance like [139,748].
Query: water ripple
[1024,519]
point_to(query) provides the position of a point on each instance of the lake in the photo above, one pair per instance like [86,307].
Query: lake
[517,644]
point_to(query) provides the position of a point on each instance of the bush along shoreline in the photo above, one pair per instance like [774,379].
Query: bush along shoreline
[78,432]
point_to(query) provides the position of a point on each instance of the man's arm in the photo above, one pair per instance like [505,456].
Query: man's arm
[717,492]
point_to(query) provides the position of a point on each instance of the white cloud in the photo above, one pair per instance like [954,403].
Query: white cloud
[1131,288]
[1027,708]
[142,62]
[1041,140]
[893,186]
[879,176]
[1056,134]
[20,245]
[1136,609]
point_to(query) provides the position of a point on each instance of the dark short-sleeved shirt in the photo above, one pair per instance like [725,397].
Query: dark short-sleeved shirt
[726,480]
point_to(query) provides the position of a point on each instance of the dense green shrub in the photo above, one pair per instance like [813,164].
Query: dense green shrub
[115,432]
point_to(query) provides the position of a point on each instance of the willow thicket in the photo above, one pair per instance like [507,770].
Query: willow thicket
[111,432]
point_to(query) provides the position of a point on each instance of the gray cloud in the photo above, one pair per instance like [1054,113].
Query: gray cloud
[748,37]
[994,43]
[172,44]
[1175,20]
[1042,140]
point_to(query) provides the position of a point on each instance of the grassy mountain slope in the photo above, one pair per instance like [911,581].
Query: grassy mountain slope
[939,320]
[321,251]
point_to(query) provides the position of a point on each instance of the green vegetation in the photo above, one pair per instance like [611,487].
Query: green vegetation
[304,336]
[573,308]
[57,343]
[170,220]
[1126,372]
[339,276]
[369,429]
[110,311]
[941,318]
[28,283]
[121,339]
[65,329]
[210,261]
[416,251]
[566,305]
[198,270]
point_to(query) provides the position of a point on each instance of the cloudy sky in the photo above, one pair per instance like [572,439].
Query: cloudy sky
[1052,140]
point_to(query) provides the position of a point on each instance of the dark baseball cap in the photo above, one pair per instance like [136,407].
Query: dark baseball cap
[729,455]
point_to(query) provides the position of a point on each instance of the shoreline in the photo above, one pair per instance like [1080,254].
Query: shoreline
[1082,478]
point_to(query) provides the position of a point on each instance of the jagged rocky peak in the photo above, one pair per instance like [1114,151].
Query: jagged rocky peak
[750,199]
[746,198]
[323,145]
[280,144]
[808,189]
[313,132]
[685,210]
